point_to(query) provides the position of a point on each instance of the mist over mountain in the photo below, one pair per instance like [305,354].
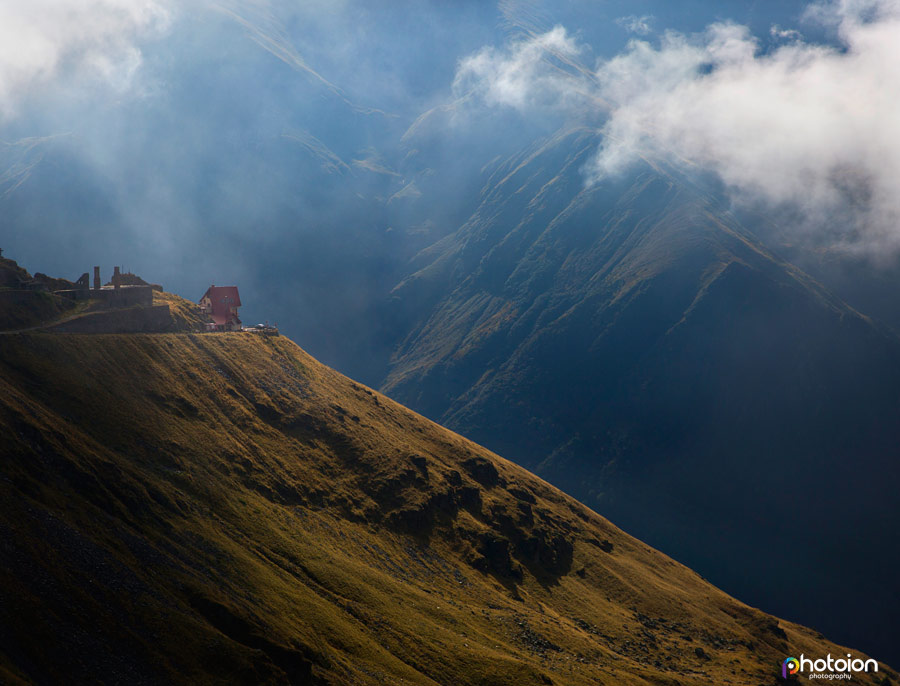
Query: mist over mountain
[636,345]
[242,135]
[646,249]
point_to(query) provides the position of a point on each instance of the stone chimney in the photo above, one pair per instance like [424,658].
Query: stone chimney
[117,277]
[96,278]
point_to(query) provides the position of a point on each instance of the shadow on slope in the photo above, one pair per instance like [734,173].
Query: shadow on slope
[635,345]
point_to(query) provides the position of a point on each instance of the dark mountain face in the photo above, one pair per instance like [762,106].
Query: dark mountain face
[635,345]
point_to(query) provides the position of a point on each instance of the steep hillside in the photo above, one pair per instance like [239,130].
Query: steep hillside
[20,309]
[633,344]
[27,309]
[180,508]
[39,310]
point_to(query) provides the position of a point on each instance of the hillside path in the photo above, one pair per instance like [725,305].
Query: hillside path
[43,326]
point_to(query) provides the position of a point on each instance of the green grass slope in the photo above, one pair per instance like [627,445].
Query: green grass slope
[26,309]
[203,509]
[20,308]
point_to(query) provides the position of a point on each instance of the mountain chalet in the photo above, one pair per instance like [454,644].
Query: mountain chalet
[221,303]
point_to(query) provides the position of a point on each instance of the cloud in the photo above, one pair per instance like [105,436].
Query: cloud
[534,71]
[639,25]
[778,33]
[804,126]
[807,127]
[41,40]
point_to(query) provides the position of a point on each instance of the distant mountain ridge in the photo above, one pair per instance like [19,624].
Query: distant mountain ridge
[637,346]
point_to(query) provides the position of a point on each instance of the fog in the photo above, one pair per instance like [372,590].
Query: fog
[806,127]
[303,151]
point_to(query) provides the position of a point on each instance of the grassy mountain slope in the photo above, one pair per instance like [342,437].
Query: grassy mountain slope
[224,509]
[635,345]
[24,309]
[28,310]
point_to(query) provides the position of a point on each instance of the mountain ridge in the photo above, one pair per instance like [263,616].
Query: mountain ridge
[626,340]
[223,507]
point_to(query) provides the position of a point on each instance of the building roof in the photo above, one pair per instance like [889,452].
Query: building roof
[227,296]
[222,299]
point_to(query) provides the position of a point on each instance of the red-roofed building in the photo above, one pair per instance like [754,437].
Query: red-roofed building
[221,303]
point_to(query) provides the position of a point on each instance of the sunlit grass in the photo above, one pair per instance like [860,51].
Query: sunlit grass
[251,510]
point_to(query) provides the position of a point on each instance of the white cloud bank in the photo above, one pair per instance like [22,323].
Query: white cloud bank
[531,72]
[45,39]
[804,126]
